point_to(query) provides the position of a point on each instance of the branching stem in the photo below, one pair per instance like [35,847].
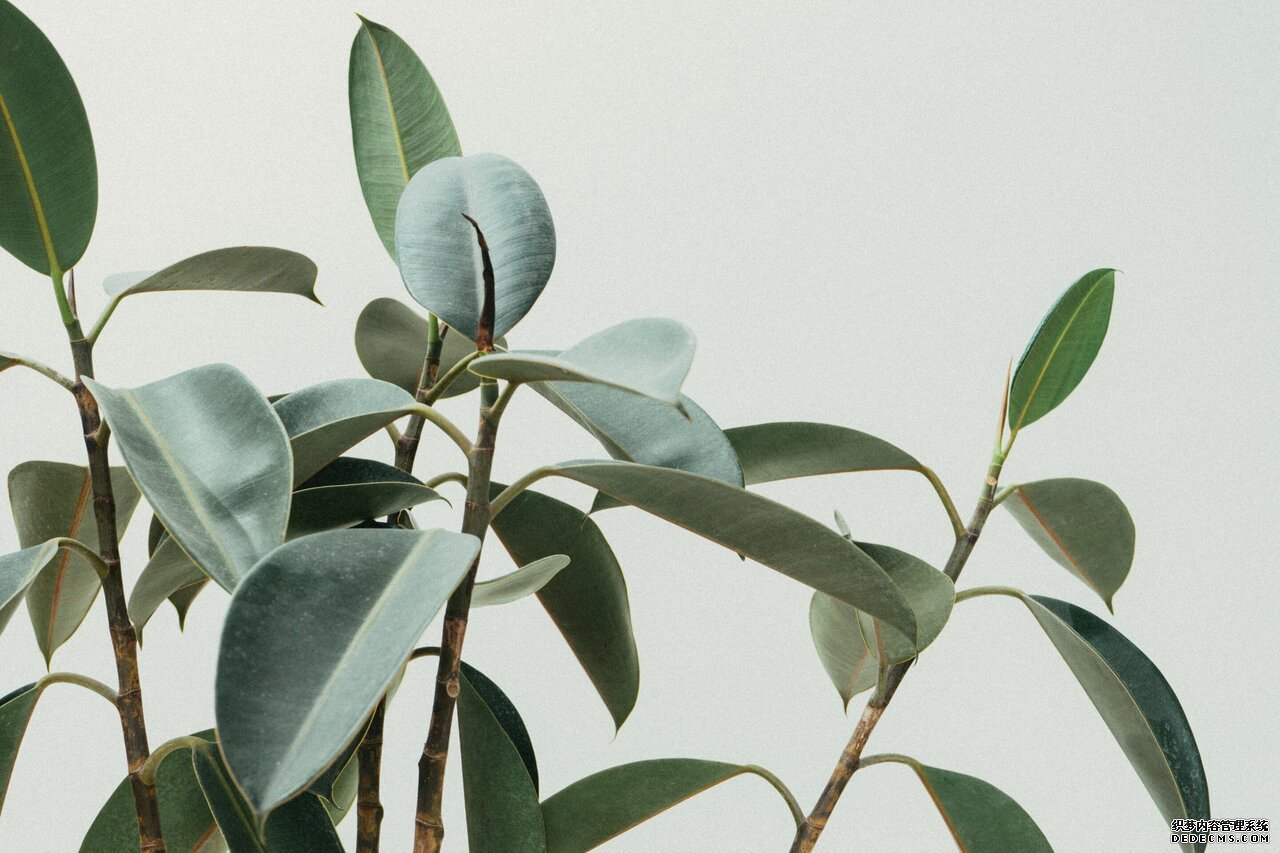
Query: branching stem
[39,367]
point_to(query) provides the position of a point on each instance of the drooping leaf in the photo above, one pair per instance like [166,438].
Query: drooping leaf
[1135,701]
[587,600]
[981,817]
[348,491]
[514,586]
[313,637]
[1082,525]
[51,500]
[168,572]
[247,269]
[506,715]
[212,460]
[399,122]
[502,797]
[48,172]
[650,357]
[299,826]
[15,714]
[19,570]
[593,810]
[788,449]
[184,814]
[756,527]
[1062,349]
[343,792]
[325,420]
[391,341]
[849,642]
[440,259]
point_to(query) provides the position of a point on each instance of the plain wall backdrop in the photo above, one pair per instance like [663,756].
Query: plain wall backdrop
[862,210]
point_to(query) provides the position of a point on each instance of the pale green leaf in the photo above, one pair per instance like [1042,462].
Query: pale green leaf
[513,586]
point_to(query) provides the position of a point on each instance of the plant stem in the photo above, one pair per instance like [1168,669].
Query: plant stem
[429,825]
[808,834]
[369,810]
[124,640]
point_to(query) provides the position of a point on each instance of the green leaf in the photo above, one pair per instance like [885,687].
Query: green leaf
[348,491]
[48,173]
[15,714]
[247,269]
[1082,525]
[325,420]
[391,341]
[313,637]
[440,259]
[299,826]
[212,460]
[343,792]
[168,572]
[51,500]
[19,570]
[1062,349]
[184,814]
[587,600]
[593,810]
[1136,703]
[981,817]
[788,449]
[399,122]
[501,794]
[850,642]
[649,357]
[515,585]
[756,527]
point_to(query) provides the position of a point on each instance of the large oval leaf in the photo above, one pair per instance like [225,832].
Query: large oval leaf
[391,341]
[399,122]
[440,258]
[595,809]
[48,173]
[753,526]
[587,600]
[499,775]
[212,460]
[1062,349]
[1136,703]
[51,500]
[981,817]
[650,357]
[325,420]
[312,639]
[1082,525]
[248,269]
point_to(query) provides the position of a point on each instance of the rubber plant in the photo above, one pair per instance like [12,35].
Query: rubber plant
[333,584]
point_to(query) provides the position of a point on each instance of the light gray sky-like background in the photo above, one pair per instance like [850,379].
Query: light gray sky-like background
[862,210]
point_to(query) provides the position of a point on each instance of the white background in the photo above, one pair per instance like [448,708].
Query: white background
[863,212]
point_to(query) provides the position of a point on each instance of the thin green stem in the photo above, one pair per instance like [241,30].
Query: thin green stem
[500,405]
[425,652]
[1010,591]
[101,322]
[1004,493]
[64,305]
[84,681]
[957,523]
[886,757]
[446,426]
[39,367]
[92,557]
[450,375]
[509,493]
[152,764]
[447,477]
[797,813]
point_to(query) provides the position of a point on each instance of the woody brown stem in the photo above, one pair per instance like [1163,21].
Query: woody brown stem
[124,641]
[808,833]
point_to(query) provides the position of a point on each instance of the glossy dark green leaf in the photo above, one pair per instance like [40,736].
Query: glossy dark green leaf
[502,797]
[312,639]
[981,817]
[649,357]
[1062,349]
[48,173]
[1082,525]
[184,814]
[788,449]
[1135,701]
[506,715]
[514,586]
[348,491]
[391,341]
[325,420]
[587,600]
[212,460]
[440,258]
[593,810]
[399,122]
[299,826]
[756,527]
[55,499]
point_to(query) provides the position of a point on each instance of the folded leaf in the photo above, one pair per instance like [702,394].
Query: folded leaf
[48,172]
[312,639]
[649,357]
[248,269]
[1082,525]
[587,600]
[348,491]
[439,256]
[51,500]
[212,460]
[1062,349]
[837,636]
[15,714]
[167,572]
[523,581]
[399,122]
